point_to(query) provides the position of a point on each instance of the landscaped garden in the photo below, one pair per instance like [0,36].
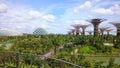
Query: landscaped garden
[86,51]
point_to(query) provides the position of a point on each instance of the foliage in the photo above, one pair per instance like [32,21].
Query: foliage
[74,47]
[98,64]
[2,47]
[117,43]
[86,49]
[111,63]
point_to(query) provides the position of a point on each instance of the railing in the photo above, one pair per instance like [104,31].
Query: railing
[25,60]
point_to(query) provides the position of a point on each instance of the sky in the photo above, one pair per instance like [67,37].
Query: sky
[56,16]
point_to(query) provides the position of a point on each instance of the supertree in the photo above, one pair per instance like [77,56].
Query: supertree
[77,28]
[72,31]
[102,30]
[96,23]
[83,28]
[117,25]
[69,32]
[108,31]
[90,32]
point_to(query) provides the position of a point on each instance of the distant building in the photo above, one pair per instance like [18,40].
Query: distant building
[40,31]
[7,32]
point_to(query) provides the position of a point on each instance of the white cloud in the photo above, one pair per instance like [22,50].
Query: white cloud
[34,14]
[102,11]
[3,7]
[115,8]
[23,18]
[38,15]
[17,19]
[82,22]
[86,5]
[96,0]
[45,26]
[49,17]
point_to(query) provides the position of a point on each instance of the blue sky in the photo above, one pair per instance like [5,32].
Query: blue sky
[56,16]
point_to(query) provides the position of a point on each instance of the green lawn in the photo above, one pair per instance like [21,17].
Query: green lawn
[104,59]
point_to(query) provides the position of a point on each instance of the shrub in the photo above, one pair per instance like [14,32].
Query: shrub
[86,49]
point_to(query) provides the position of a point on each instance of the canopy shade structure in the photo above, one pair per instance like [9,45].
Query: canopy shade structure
[96,23]
[77,28]
[102,30]
[72,31]
[83,28]
[117,25]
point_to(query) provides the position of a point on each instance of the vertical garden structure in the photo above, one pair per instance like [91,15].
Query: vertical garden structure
[102,30]
[73,31]
[90,32]
[117,25]
[96,23]
[83,29]
[77,28]
[108,31]
[69,32]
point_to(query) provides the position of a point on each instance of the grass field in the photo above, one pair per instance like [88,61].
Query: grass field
[104,59]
